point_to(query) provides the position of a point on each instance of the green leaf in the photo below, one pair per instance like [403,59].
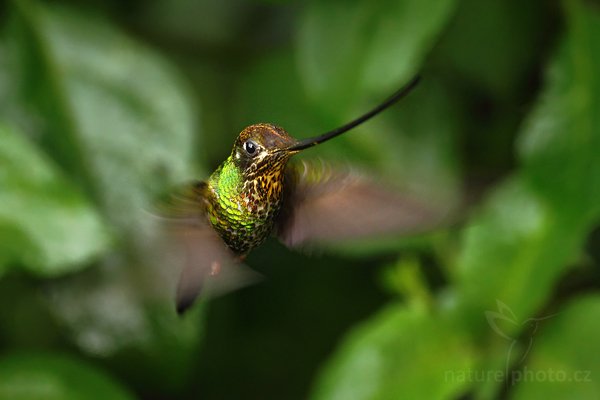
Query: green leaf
[105,314]
[46,225]
[117,115]
[351,49]
[535,224]
[118,118]
[561,140]
[400,353]
[127,313]
[564,359]
[513,252]
[29,376]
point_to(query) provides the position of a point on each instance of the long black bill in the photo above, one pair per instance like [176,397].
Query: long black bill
[303,144]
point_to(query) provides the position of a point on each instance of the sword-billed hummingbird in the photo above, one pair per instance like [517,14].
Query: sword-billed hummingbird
[256,192]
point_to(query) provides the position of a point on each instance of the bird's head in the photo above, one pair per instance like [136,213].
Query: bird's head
[261,148]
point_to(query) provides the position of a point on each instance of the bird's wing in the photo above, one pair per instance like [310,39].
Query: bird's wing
[206,264]
[326,204]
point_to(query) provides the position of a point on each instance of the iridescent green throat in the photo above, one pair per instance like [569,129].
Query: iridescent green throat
[243,203]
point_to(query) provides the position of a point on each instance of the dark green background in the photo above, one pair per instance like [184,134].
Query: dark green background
[105,106]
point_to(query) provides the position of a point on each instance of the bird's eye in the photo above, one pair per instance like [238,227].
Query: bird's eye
[250,147]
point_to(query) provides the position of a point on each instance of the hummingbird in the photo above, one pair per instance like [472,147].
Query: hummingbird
[257,191]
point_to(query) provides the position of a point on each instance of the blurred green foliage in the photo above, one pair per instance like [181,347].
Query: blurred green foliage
[49,376]
[106,105]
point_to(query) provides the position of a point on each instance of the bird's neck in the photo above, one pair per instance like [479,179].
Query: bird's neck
[227,180]
[261,184]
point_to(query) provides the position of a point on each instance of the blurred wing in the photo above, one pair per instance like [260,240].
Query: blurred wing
[206,265]
[327,204]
